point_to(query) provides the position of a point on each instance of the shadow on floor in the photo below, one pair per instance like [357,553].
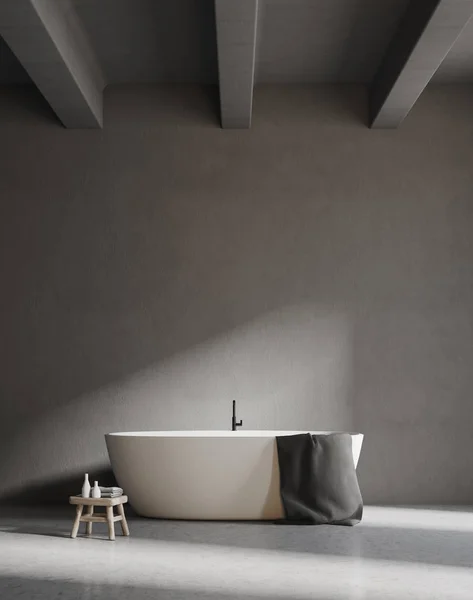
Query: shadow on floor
[13,587]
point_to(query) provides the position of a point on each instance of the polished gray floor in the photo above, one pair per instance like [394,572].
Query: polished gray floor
[398,553]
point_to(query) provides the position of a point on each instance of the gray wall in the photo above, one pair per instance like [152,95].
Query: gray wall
[316,271]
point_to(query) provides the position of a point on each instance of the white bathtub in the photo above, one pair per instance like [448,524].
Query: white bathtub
[210,475]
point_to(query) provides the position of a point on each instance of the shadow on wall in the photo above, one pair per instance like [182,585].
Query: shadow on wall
[56,490]
[292,367]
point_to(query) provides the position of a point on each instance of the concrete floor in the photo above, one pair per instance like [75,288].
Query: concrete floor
[398,553]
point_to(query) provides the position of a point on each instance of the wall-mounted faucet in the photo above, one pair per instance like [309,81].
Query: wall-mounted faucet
[235,423]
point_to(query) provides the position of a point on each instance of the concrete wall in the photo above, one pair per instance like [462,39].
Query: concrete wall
[318,272]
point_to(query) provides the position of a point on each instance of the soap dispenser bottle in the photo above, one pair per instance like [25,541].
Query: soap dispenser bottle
[96,490]
[86,487]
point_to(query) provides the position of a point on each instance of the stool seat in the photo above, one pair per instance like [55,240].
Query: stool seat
[91,517]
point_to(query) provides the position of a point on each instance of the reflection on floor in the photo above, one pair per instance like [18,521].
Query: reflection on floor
[408,553]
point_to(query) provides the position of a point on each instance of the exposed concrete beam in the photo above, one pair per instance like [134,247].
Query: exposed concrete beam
[236,42]
[47,38]
[426,34]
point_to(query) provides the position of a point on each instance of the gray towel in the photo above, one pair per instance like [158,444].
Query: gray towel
[318,481]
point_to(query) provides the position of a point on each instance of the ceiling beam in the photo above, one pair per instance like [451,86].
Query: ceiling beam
[47,38]
[236,22]
[426,33]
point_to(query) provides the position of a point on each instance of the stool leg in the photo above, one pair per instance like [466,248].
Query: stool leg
[121,511]
[90,511]
[111,524]
[75,527]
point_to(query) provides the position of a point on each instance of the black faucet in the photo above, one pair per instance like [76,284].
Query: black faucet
[235,423]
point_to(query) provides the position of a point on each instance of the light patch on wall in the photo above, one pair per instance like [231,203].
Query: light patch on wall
[289,369]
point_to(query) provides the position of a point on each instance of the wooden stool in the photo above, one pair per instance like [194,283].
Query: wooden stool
[92,517]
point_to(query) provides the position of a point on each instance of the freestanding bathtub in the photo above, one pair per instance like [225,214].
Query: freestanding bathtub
[207,475]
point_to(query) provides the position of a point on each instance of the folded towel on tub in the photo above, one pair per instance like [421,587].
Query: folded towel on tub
[111,492]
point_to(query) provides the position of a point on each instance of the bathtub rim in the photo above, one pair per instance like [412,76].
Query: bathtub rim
[221,433]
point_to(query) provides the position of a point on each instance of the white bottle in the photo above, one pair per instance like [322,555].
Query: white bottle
[96,490]
[86,487]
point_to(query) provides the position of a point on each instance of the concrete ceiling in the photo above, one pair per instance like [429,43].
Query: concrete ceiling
[11,71]
[324,41]
[286,41]
[152,40]
[458,64]
[298,40]
[320,41]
